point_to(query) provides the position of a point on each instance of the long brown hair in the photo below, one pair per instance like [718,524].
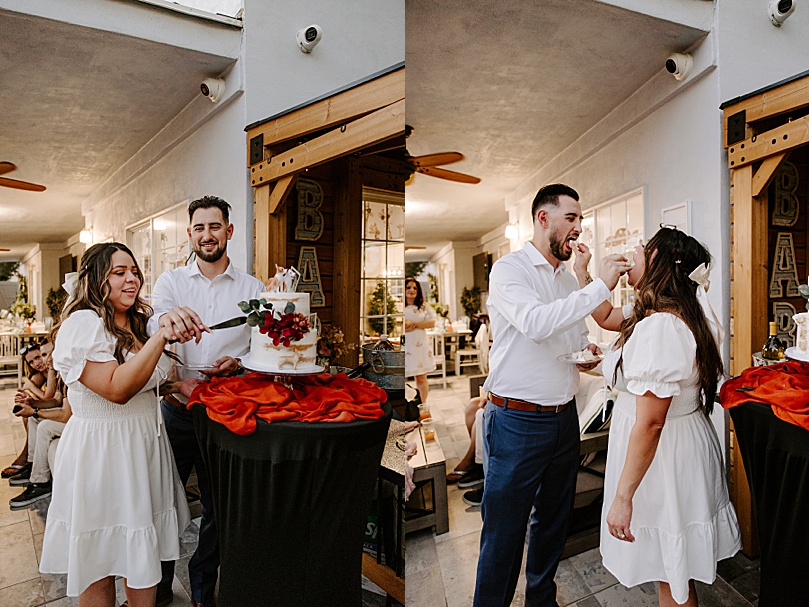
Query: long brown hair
[92,293]
[670,256]
[419,299]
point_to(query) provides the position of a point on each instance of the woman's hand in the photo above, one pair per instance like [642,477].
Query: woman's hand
[411,325]
[583,257]
[618,519]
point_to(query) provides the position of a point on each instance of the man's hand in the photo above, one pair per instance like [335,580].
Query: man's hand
[224,366]
[184,324]
[26,410]
[612,268]
[589,366]
[186,387]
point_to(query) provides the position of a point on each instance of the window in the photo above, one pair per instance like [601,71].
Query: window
[383,264]
[160,243]
[613,227]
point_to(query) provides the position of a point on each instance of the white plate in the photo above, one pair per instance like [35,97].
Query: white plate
[248,364]
[796,354]
[571,358]
[199,367]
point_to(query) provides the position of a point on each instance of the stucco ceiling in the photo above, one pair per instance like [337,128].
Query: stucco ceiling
[76,104]
[512,84]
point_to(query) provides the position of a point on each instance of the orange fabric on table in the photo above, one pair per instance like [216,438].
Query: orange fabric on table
[784,386]
[236,402]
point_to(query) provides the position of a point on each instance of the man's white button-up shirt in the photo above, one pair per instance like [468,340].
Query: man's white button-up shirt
[214,301]
[537,314]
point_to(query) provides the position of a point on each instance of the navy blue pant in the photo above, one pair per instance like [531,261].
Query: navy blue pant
[530,462]
[203,568]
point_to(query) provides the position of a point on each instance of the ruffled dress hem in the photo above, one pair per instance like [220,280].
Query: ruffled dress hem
[657,556]
[118,549]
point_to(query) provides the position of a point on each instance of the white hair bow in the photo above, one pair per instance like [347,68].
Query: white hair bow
[71,285]
[700,277]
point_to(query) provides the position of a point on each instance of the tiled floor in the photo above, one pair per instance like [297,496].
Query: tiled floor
[21,531]
[441,569]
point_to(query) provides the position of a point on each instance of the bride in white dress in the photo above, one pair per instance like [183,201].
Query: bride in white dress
[667,515]
[118,506]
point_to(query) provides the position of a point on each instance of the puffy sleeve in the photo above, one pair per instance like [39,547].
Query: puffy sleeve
[81,338]
[660,356]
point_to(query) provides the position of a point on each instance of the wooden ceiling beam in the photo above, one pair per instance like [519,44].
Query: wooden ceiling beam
[339,109]
[786,98]
[381,125]
[778,140]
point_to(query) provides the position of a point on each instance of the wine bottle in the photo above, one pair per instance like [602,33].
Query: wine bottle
[774,348]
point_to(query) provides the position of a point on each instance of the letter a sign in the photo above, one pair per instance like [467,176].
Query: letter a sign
[310,276]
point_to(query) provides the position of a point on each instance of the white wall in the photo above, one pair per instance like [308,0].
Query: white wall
[211,160]
[752,52]
[360,38]
[42,273]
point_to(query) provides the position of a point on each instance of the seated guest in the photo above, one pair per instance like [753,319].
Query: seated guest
[52,422]
[469,473]
[34,359]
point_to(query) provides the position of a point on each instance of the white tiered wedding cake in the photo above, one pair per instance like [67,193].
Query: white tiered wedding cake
[284,335]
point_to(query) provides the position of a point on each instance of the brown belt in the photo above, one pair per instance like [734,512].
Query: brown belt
[524,405]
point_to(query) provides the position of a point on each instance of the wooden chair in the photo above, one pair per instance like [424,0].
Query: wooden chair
[439,356]
[479,355]
[9,353]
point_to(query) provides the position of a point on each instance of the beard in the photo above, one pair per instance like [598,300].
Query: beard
[212,257]
[558,247]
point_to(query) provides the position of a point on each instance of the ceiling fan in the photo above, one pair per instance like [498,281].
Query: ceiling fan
[430,164]
[7,167]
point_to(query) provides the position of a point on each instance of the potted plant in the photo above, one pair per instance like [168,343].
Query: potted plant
[470,301]
[55,301]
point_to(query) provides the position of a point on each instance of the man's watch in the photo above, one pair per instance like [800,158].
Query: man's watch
[35,414]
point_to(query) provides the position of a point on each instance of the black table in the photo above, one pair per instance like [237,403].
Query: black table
[291,502]
[776,461]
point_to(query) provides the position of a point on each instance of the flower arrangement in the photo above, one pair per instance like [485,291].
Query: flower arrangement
[281,327]
[24,310]
[332,344]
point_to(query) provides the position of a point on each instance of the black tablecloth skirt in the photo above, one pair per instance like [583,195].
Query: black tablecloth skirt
[291,502]
[776,460]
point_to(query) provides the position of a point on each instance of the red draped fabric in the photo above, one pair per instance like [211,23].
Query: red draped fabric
[236,402]
[784,386]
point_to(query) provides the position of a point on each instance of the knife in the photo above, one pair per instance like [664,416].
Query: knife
[233,322]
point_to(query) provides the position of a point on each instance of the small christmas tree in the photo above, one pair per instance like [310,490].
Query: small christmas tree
[382,304]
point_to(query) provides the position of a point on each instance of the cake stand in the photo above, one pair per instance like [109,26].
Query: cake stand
[281,376]
[795,354]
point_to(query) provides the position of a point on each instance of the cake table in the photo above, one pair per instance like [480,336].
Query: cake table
[291,503]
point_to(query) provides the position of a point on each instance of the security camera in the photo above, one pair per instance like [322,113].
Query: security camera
[779,10]
[679,65]
[308,37]
[213,88]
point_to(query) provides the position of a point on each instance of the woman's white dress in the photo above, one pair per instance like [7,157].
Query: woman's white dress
[118,506]
[418,349]
[682,518]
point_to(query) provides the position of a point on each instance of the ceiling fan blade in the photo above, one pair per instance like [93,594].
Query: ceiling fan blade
[450,175]
[432,160]
[21,185]
[407,248]
[6,167]
[4,250]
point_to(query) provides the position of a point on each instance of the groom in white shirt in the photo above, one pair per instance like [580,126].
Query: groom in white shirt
[189,299]
[531,430]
